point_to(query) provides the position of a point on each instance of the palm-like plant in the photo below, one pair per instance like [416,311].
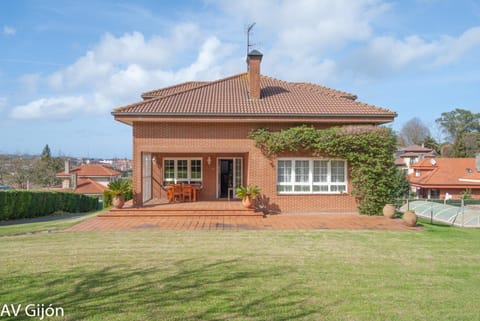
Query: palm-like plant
[247,193]
[118,189]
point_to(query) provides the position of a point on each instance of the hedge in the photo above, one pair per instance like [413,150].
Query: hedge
[27,204]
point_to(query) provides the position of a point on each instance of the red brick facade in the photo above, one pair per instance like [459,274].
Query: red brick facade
[222,140]
[212,120]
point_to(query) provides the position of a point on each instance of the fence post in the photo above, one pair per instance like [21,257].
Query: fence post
[431,212]
[462,209]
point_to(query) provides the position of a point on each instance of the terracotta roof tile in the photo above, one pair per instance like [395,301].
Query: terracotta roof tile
[172,89]
[90,170]
[417,148]
[89,186]
[229,97]
[416,154]
[446,172]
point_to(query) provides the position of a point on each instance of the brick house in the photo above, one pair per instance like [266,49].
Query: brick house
[409,155]
[88,179]
[197,132]
[434,178]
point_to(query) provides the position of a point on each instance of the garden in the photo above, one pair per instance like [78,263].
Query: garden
[246,275]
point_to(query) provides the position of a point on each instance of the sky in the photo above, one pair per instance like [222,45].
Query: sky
[66,64]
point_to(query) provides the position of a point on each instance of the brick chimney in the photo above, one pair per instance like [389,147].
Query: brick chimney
[253,61]
[67,166]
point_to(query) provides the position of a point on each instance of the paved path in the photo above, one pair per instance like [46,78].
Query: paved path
[273,222]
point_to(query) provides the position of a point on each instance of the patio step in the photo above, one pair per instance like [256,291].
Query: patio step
[177,213]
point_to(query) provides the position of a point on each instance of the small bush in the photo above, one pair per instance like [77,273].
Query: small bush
[27,204]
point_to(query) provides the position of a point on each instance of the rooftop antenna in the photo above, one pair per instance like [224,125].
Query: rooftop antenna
[249,29]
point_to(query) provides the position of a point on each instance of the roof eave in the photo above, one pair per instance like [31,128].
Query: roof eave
[382,118]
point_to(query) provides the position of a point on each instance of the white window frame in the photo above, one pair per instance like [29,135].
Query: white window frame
[310,182]
[146,177]
[189,178]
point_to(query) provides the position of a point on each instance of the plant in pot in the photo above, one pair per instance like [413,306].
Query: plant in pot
[117,189]
[247,194]
[410,218]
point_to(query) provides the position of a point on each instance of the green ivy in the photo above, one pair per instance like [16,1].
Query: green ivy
[368,150]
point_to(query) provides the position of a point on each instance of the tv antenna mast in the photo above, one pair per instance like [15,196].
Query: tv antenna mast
[249,29]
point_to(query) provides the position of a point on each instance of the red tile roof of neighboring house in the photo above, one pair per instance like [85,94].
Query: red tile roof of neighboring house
[416,154]
[400,162]
[89,186]
[229,97]
[417,148]
[90,170]
[446,172]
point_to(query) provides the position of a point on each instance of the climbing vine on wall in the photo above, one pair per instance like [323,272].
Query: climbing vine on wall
[368,150]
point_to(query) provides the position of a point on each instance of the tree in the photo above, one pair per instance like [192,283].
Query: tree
[430,142]
[462,127]
[46,168]
[46,154]
[414,131]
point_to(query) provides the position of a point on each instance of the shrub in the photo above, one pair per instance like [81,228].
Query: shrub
[17,204]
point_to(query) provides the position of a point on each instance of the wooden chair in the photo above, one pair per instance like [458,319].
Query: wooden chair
[177,192]
[169,191]
[187,192]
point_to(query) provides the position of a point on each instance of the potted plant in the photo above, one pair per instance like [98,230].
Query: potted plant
[247,194]
[117,189]
[410,218]
[389,211]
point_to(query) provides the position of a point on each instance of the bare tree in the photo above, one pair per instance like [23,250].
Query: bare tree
[414,131]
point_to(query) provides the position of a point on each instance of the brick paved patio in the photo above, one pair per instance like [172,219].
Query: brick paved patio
[273,222]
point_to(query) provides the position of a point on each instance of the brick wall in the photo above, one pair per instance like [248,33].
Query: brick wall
[222,140]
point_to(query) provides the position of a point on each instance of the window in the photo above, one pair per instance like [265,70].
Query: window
[182,171]
[434,194]
[311,176]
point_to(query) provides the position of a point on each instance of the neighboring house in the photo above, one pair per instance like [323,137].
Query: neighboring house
[434,178]
[90,179]
[408,156]
[197,132]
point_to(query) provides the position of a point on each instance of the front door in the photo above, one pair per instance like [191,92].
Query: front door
[230,176]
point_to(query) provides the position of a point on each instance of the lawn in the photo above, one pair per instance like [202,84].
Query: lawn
[43,224]
[246,275]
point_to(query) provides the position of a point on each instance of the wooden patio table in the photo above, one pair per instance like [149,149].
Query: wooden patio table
[195,191]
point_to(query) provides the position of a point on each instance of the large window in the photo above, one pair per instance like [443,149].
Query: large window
[311,176]
[182,170]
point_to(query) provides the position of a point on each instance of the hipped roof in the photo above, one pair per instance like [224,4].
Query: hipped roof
[228,97]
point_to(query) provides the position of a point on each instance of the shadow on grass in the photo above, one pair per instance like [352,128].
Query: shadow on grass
[187,290]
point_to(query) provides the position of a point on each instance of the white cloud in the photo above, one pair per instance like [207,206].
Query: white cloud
[118,69]
[452,49]
[9,31]
[301,27]
[50,108]
[386,54]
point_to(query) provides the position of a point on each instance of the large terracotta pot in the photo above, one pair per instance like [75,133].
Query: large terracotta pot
[247,202]
[410,218]
[118,201]
[389,211]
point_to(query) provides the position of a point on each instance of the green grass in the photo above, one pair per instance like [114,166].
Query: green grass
[247,275]
[24,226]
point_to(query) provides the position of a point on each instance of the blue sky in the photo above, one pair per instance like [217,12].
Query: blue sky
[64,65]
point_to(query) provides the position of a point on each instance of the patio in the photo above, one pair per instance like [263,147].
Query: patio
[343,221]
